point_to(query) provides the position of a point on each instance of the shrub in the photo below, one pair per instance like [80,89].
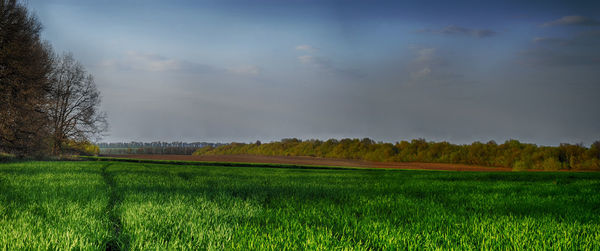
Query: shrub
[6,157]
[551,164]
[591,164]
[203,151]
[521,165]
[81,148]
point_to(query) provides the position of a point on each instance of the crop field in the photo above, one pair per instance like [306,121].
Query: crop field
[122,206]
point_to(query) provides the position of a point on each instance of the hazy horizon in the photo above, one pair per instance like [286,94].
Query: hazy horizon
[223,71]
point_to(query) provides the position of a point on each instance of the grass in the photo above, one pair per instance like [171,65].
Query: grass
[127,205]
[52,205]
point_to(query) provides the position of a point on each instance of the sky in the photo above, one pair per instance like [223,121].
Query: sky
[222,71]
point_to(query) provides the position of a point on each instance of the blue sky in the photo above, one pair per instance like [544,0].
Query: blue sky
[264,70]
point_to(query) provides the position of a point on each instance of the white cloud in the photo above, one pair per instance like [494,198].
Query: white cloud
[428,67]
[305,47]
[150,62]
[306,59]
[245,70]
[138,61]
[425,55]
[316,61]
[326,65]
[423,73]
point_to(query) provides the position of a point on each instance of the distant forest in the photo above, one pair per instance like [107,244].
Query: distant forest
[511,153]
[157,147]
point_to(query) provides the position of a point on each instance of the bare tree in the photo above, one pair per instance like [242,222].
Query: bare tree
[24,68]
[74,109]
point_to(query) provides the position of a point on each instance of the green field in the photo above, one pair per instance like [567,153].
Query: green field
[120,205]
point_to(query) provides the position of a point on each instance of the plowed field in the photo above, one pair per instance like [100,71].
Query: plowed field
[301,160]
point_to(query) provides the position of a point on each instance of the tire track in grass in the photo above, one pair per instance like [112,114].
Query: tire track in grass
[113,199]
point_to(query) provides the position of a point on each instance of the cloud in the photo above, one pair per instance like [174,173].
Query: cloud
[149,62]
[421,74]
[305,47]
[425,59]
[317,61]
[573,20]
[580,50]
[559,58]
[421,66]
[430,67]
[425,55]
[306,59]
[133,60]
[325,65]
[589,38]
[550,41]
[462,31]
[245,70]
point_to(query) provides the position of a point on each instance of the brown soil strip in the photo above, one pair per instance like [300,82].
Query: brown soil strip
[301,160]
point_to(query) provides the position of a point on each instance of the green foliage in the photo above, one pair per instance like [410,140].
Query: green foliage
[143,206]
[508,154]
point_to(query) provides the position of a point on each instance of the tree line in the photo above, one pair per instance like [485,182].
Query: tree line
[160,150]
[512,153]
[136,144]
[49,104]
[181,148]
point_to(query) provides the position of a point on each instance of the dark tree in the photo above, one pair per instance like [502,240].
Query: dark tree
[74,109]
[24,67]
[595,149]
